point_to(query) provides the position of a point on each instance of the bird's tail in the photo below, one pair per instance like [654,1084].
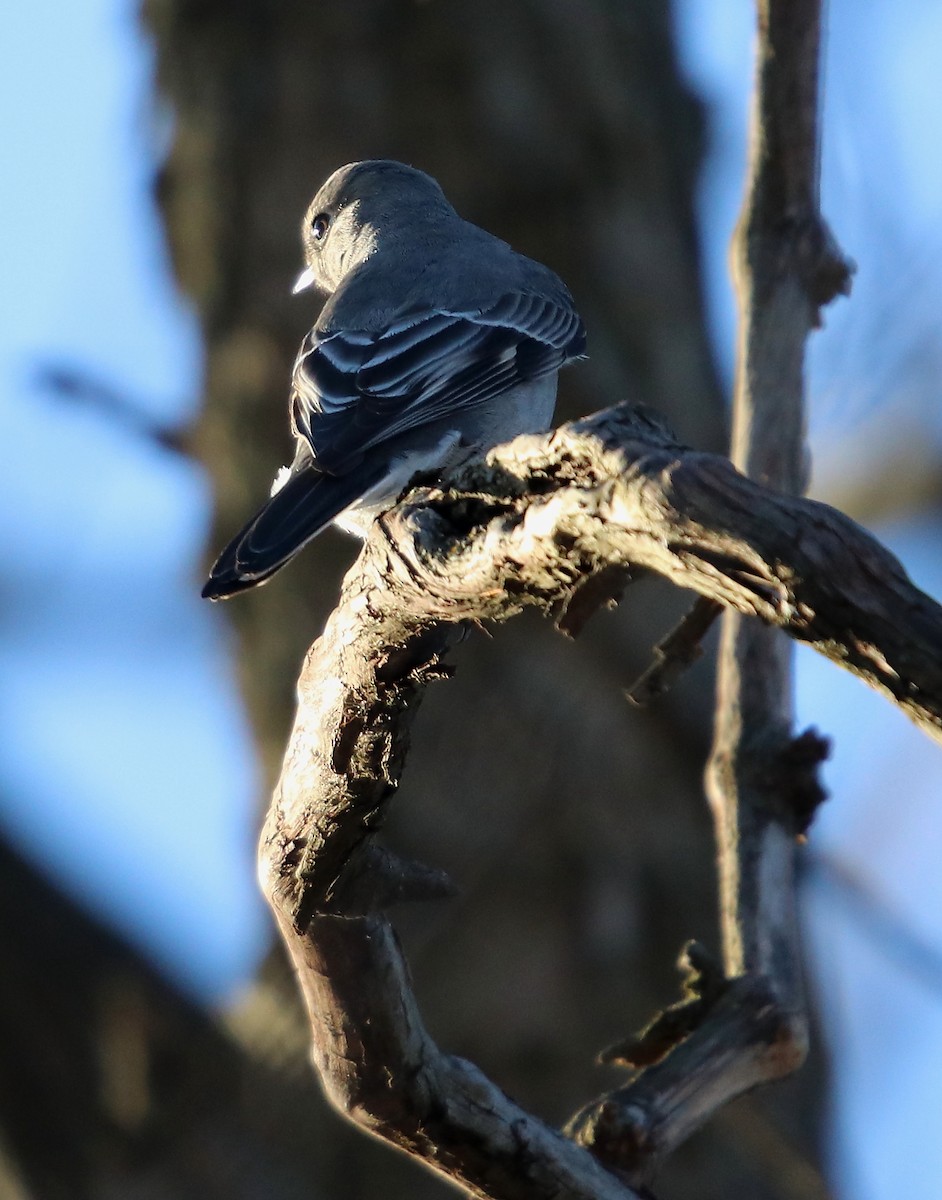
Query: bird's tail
[297,512]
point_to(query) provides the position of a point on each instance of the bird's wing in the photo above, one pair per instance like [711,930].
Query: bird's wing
[353,391]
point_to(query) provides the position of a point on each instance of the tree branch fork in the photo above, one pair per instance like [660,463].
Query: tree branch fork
[563,522]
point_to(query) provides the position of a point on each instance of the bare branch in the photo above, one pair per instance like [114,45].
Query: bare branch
[675,653]
[786,266]
[525,528]
[528,527]
[743,1040]
[380,1067]
[78,386]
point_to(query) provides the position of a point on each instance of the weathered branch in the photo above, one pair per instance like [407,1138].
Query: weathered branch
[742,1040]
[539,523]
[786,266]
[380,1067]
[533,526]
[762,780]
[680,649]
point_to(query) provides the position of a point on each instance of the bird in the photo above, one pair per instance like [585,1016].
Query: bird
[436,339]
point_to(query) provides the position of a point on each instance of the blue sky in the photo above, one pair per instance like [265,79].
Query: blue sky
[151,821]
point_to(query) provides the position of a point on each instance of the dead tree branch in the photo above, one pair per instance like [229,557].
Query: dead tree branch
[555,521]
[786,267]
[676,652]
[380,1067]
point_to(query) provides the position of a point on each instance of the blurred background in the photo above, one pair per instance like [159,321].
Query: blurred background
[158,163]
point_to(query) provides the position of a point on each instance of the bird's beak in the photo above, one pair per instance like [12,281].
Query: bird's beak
[303,281]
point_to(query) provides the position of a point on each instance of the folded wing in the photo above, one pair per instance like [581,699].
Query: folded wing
[353,391]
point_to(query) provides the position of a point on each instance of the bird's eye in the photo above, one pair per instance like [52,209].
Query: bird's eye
[319,226]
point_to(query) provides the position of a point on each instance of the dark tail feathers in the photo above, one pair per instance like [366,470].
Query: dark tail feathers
[296,513]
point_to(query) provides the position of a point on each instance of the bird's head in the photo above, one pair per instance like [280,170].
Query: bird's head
[361,205]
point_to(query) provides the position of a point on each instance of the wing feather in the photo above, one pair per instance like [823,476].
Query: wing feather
[353,390]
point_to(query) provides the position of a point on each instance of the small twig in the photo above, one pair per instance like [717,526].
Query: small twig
[743,1039]
[77,386]
[703,985]
[682,647]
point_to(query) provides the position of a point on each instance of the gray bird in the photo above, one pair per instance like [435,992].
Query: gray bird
[436,337]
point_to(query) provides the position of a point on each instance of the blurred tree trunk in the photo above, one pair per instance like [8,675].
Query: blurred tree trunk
[574,824]
[115,1087]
